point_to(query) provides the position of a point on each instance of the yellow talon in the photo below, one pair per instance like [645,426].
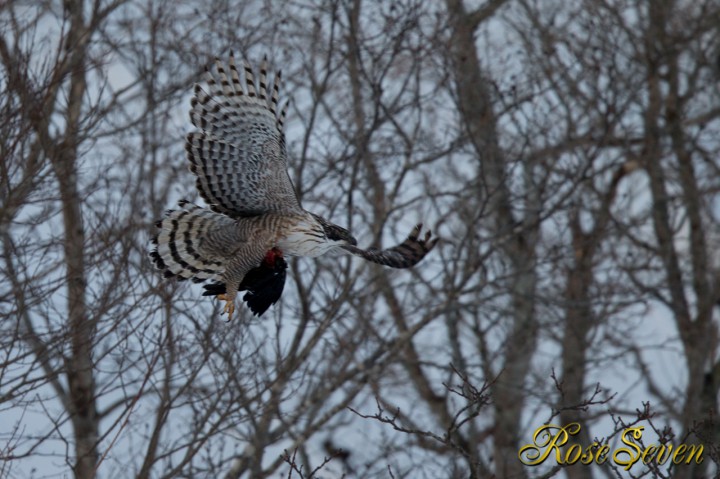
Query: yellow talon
[229,306]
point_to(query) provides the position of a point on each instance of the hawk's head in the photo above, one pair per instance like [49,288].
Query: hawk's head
[334,233]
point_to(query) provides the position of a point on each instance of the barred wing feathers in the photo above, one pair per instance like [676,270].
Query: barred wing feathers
[238,151]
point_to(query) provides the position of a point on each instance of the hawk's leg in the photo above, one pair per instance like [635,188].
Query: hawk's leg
[229,305]
[242,263]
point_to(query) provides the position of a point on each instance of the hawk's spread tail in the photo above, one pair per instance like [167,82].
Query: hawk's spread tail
[405,255]
[178,251]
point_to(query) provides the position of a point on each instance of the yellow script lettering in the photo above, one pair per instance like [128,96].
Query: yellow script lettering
[573,454]
[631,458]
[647,455]
[663,453]
[601,455]
[545,440]
[680,451]
[691,449]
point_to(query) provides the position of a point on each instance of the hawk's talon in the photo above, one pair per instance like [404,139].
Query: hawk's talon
[229,305]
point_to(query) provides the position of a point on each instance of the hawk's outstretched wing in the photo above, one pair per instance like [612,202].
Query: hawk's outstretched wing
[238,151]
[405,255]
[238,154]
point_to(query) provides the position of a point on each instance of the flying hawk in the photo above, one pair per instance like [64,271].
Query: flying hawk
[255,219]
